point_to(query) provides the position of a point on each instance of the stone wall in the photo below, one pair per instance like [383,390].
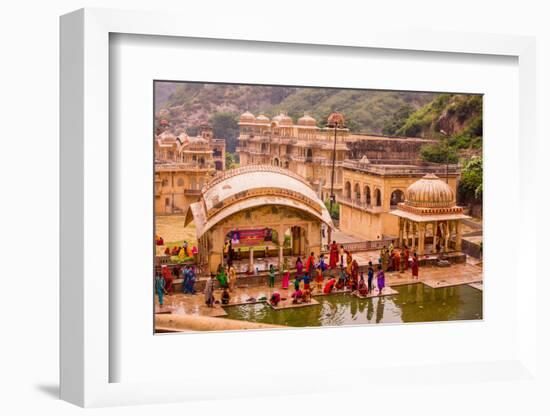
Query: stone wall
[386,148]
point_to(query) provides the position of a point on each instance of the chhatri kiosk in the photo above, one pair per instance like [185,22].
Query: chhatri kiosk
[429,213]
[262,210]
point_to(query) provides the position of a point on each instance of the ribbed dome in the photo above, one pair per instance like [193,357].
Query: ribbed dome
[283,120]
[262,119]
[307,120]
[247,117]
[429,192]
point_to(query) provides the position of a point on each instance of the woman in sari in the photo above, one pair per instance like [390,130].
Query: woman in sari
[319,279]
[275,298]
[329,285]
[299,267]
[209,292]
[349,260]
[333,260]
[414,266]
[310,263]
[380,280]
[232,277]
[396,260]
[221,277]
[362,287]
[168,278]
[286,278]
[341,280]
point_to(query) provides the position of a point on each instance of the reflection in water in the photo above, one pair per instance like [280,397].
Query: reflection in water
[413,303]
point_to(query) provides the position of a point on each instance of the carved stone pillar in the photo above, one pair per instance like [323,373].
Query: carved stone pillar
[401,226]
[421,237]
[458,244]
[447,235]
[413,233]
[434,228]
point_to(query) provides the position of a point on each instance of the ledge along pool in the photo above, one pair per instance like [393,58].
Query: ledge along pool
[414,303]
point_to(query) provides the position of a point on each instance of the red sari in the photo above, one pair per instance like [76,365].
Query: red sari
[168,278]
[414,267]
[396,261]
[333,255]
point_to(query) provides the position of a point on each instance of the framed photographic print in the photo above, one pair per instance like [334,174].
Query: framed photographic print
[262,197]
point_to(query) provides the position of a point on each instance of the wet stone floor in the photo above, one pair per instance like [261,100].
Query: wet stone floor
[440,293]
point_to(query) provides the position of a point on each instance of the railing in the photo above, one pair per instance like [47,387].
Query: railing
[192,192]
[368,245]
[438,169]
[161,167]
[356,203]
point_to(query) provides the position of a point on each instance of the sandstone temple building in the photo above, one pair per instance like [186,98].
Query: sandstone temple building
[373,189]
[371,173]
[183,165]
[269,211]
[307,149]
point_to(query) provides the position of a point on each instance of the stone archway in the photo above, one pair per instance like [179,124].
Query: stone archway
[297,240]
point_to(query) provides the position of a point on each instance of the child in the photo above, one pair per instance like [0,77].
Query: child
[319,279]
[271,281]
[159,287]
[225,296]
[370,275]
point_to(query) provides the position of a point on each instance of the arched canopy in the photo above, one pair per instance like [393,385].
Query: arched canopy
[250,187]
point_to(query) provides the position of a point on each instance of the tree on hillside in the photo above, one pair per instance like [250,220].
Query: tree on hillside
[439,152]
[471,181]
[225,126]
[397,120]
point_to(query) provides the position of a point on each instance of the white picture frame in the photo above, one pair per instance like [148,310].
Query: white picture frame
[85,218]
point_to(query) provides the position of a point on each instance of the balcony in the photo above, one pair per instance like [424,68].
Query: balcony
[192,192]
[362,205]
[184,166]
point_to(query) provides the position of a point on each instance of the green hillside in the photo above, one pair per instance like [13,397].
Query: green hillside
[191,104]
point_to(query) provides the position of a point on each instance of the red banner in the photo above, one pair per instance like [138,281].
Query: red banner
[250,237]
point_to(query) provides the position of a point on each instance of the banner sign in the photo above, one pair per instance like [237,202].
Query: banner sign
[251,237]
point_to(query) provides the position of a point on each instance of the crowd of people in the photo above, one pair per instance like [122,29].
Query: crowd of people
[312,275]
[164,280]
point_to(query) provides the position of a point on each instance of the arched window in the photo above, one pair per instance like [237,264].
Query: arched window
[348,190]
[367,195]
[357,192]
[309,153]
[276,162]
[378,197]
[165,182]
[180,181]
[397,196]
[192,184]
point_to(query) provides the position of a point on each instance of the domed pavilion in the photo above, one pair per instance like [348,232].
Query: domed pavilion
[265,211]
[430,214]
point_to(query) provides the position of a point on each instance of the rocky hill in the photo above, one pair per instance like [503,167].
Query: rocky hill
[412,114]
[191,104]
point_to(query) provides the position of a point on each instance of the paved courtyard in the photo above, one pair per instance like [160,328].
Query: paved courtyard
[435,277]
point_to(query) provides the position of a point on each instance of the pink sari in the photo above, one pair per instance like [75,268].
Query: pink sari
[286,278]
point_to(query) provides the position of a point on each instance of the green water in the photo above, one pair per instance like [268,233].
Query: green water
[413,303]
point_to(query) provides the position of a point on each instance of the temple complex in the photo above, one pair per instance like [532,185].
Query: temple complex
[263,210]
[430,211]
[183,165]
[308,150]
[374,188]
